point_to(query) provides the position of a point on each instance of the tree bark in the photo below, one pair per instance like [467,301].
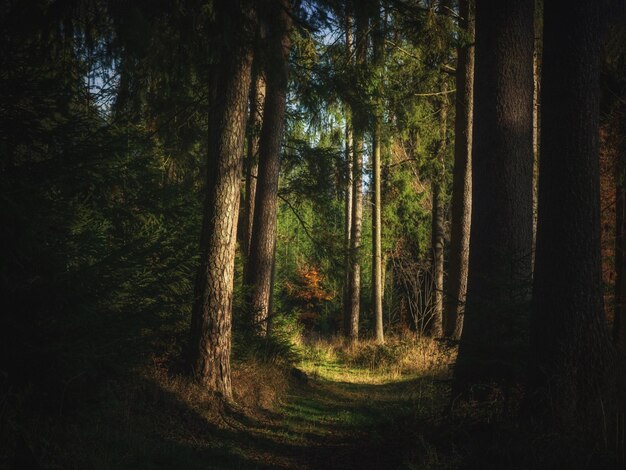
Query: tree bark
[349,155]
[210,341]
[258,273]
[435,325]
[618,136]
[536,118]
[461,206]
[377,255]
[377,288]
[619,317]
[359,120]
[255,120]
[499,274]
[571,349]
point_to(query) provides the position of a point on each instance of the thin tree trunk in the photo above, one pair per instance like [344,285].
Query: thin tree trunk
[619,317]
[536,115]
[354,287]
[377,279]
[349,154]
[461,206]
[571,349]
[435,323]
[255,120]
[499,274]
[359,121]
[435,326]
[258,273]
[210,342]
[618,135]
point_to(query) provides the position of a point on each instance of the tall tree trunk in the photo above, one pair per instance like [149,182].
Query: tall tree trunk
[536,116]
[347,298]
[210,341]
[359,120]
[619,318]
[499,274]
[377,255]
[377,279]
[572,353]
[255,120]
[435,326]
[461,208]
[258,273]
[618,136]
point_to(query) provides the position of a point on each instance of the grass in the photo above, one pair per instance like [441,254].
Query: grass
[399,358]
[363,406]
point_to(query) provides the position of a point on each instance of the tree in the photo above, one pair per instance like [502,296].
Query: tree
[619,314]
[571,351]
[360,124]
[349,157]
[211,318]
[501,233]
[255,120]
[461,206]
[377,254]
[262,247]
[435,326]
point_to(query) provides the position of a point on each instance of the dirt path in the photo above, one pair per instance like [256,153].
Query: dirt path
[353,423]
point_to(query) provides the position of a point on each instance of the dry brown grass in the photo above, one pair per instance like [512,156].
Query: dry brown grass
[366,361]
[257,387]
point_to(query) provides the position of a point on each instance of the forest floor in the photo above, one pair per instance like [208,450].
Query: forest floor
[336,407]
[344,417]
[334,410]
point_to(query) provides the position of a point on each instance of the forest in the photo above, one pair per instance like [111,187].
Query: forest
[312,234]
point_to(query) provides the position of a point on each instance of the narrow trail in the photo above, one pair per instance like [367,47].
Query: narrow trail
[359,422]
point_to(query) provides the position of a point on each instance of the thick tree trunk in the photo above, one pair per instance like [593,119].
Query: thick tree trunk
[499,275]
[359,120]
[258,273]
[571,349]
[461,208]
[255,120]
[211,319]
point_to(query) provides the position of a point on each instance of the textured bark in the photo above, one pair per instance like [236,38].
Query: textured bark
[461,206]
[618,140]
[258,273]
[501,234]
[211,318]
[255,120]
[571,349]
[619,317]
[435,326]
[377,255]
[536,119]
[347,298]
[354,285]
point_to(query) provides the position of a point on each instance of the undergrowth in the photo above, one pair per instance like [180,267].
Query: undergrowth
[400,356]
